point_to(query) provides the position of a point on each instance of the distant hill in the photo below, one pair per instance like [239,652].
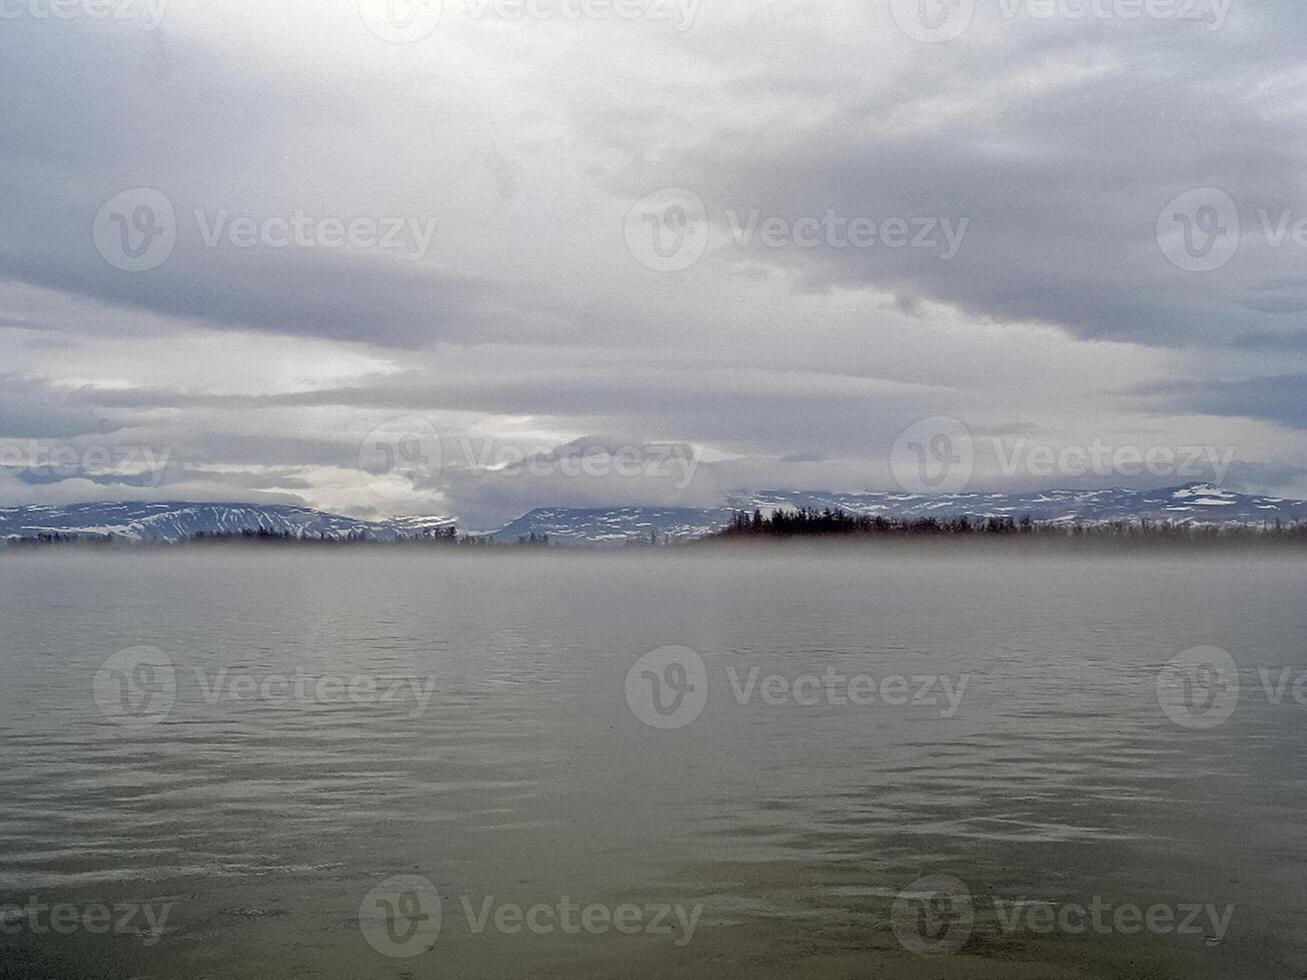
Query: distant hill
[173,522]
[1198,503]
[616,525]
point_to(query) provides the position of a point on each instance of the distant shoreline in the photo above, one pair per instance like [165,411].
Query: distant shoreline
[829,533]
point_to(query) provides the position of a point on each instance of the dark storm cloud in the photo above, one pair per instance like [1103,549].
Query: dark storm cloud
[521,311]
[85,120]
[1060,144]
[1281,398]
[31,410]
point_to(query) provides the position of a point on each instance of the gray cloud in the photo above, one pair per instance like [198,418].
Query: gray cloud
[527,319]
[1276,399]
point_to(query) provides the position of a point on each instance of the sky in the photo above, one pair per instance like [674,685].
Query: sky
[384,257]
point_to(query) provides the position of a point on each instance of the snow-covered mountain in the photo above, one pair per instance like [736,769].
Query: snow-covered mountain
[617,525]
[171,522]
[1198,503]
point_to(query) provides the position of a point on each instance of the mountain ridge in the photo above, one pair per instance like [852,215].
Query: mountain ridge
[174,521]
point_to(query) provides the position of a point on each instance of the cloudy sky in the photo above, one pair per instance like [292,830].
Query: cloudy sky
[383,257]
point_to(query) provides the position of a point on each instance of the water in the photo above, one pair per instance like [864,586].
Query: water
[241,824]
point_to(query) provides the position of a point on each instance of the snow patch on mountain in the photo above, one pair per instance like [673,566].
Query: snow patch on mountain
[173,522]
[1199,503]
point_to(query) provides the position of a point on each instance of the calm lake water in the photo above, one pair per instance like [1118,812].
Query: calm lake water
[388,764]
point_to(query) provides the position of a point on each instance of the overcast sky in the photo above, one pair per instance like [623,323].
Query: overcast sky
[387,258]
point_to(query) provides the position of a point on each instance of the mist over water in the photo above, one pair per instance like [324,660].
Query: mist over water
[828,730]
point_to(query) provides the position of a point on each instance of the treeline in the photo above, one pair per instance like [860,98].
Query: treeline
[443,537]
[440,536]
[812,523]
[54,537]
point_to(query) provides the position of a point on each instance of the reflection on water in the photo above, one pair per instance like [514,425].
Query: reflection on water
[322,723]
